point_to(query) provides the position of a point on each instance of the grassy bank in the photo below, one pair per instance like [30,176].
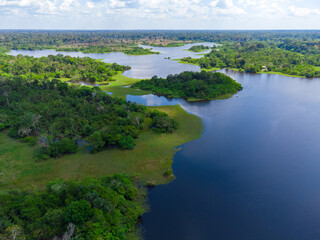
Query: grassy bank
[202,69]
[151,157]
[120,87]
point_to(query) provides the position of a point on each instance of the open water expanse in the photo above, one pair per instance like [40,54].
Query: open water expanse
[255,172]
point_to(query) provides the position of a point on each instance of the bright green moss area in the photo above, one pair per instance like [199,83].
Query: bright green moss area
[120,86]
[151,157]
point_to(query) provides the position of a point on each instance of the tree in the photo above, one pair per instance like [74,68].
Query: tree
[69,233]
[78,212]
[6,94]
[15,232]
[35,121]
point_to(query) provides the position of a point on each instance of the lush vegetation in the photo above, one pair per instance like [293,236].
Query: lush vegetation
[191,85]
[150,158]
[287,58]
[93,209]
[199,48]
[61,67]
[60,117]
[12,39]
[287,52]
[140,51]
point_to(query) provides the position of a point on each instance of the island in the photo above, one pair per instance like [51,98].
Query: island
[199,48]
[193,86]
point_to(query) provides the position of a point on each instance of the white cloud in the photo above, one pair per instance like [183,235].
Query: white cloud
[117,4]
[143,12]
[303,12]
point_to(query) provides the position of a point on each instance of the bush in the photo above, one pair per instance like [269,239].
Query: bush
[78,212]
[41,154]
[127,142]
[162,123]
[31,140]
[2,126]
[65,145]
[13,133]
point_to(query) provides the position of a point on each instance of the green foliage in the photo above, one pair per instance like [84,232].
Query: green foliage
[13,133]
[60,117]
[139,51]
[78,212]
[97,142]
[191,85]
[72,68]
[31,140]
[162,123]
[198,48]
[99,209]
[127,142]
[2,126]
[255,57]
[60,147]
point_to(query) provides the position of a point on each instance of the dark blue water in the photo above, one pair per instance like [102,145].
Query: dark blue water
[255,172]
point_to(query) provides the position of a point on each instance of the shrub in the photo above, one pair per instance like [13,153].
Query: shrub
[78,212]
[127,142]
[31,140]
[13,133]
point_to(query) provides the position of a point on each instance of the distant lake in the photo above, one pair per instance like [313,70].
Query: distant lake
[255,172]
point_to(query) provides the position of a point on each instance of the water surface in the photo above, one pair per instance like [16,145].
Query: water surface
[254,173]
[145,66]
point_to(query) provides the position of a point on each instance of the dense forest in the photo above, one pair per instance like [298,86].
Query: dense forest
[36,39]
[62,67]
[289,57]
[106,41]
[93,209]
[191,85]
[59,118]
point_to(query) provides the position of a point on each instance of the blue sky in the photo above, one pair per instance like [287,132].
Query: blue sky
[160,14]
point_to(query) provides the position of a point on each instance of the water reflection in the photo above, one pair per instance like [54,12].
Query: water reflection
[254,173]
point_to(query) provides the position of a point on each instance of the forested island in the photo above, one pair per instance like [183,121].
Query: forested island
[198,48]
[192,86]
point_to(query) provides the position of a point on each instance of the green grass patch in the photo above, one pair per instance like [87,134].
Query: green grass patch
[120,87]
[150,159]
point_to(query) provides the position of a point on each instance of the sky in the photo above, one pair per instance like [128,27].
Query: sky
[159,14]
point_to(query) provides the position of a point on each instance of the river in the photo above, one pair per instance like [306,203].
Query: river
[254,173]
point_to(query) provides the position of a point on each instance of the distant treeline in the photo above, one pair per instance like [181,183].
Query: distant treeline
[15,39]
[293,58]
[191,85]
